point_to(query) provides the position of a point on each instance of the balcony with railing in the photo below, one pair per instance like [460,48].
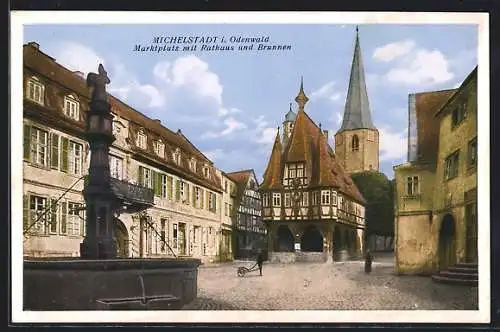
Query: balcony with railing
[134,197]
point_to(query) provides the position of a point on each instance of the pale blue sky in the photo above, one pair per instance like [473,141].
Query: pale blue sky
[230,103]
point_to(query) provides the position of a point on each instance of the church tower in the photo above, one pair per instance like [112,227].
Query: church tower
[357,140]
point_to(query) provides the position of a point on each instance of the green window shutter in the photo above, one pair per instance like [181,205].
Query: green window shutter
[26,212]
[187,193]
[54,156]
[64,156]
[27,142]
[53,216]
[157,180]
[194,196]
[64,212]
[177,190]
[208,200]
[153,181]
[202,199]
[170,188]
[140,176]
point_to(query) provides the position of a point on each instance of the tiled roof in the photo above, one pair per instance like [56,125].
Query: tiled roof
[426,105]
[47,69]
[272,175]
[241,179]
[472,75]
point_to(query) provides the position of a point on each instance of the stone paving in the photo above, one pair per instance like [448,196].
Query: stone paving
[332,286]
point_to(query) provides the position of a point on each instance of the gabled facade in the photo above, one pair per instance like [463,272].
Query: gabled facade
[436,190]
[312,208]
[150,163]
[357,140]
[228,219]
[249,231]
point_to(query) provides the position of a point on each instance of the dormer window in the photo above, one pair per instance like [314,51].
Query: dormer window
[295,170]
[177,156]
[71,107]
[160,148]
[192,164]
[206,171]
[141,139]
[35,90]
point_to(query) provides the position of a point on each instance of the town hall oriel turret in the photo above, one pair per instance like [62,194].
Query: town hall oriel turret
[357,140]
[312,209]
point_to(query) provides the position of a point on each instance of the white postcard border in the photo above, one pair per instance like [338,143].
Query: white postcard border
[20,18]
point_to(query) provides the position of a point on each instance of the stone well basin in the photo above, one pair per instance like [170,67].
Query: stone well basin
[119,284]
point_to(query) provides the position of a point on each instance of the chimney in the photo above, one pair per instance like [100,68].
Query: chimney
[79,74]
[325,132]
[35,45]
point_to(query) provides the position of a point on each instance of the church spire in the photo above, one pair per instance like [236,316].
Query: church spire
[357,112]
[301,98]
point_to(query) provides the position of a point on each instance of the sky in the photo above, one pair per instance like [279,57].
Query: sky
[229,103]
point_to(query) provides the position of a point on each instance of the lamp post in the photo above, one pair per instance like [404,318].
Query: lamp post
[101,203]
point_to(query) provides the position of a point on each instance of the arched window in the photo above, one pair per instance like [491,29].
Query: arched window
[355,143]
[177,156]
[141,139]
[192,164]
[159,148]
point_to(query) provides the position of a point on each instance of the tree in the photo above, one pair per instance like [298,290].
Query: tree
[378,192]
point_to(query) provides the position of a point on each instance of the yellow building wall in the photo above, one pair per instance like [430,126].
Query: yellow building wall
[449,194]
[415,240]
[418,219]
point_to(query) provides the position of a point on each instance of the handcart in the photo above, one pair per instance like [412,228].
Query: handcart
[244,270]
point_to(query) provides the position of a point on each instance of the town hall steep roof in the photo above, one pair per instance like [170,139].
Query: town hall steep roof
[37,63]
[308,144]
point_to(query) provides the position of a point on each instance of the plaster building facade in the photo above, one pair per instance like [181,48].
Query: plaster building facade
[249,231]
[436,190]
[152,164]
[227,217]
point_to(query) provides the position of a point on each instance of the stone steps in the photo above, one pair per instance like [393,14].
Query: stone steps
[460,274]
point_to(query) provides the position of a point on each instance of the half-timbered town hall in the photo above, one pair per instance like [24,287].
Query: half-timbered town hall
[313,210]
[311,206]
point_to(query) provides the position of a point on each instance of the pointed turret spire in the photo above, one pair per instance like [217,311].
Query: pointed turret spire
[357,112]
[272,173]
[301,98]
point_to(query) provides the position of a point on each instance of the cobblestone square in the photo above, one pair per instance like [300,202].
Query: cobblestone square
[327,286]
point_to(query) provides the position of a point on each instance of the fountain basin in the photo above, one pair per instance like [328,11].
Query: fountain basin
[120,284]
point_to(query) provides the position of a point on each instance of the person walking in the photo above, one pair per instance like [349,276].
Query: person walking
[368,261]
[260,261]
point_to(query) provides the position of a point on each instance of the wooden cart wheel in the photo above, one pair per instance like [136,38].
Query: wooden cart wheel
[241,271]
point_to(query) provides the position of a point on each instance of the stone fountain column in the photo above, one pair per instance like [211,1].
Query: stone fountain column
[101,204]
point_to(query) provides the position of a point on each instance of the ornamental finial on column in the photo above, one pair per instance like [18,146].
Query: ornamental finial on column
[301,98]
